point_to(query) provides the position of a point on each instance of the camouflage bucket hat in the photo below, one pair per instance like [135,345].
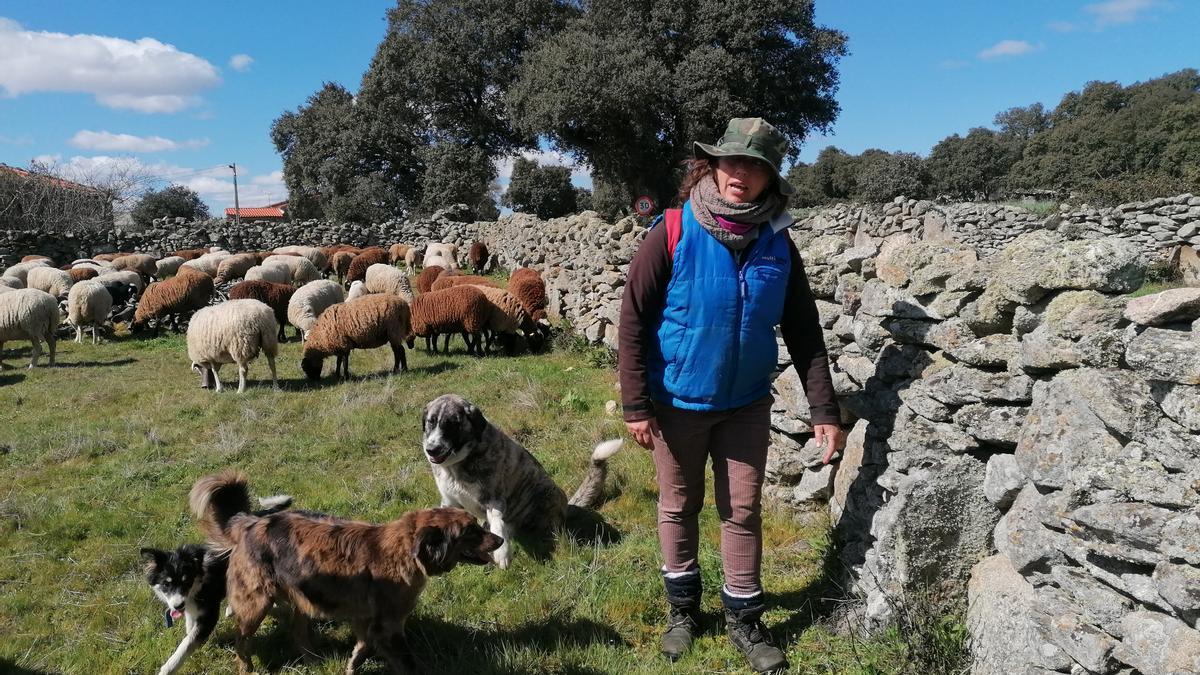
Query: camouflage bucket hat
[750,137]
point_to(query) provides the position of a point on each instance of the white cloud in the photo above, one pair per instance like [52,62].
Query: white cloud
[275,178]
[1114,12]
[580,174]
[1063,26]
[1008,48]
[241,62]
[104,141]
[144,75]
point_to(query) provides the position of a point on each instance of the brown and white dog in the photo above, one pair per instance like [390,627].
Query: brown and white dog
[369,575]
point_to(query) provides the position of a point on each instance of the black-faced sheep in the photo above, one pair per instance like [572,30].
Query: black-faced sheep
[368,257]
[451,280]
[124,277]
[478,255]
[310,301]
[275,296]
[462,309]
[427,276]
[88,304]
[51,280]
[231,332]
[387,279]
[29,314]
[177,298]
[235,267]
[366,323]
[121,293]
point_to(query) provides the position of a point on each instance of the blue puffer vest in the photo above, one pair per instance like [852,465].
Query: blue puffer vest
[715,346]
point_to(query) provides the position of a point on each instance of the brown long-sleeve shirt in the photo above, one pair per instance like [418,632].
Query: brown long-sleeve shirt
[645,292]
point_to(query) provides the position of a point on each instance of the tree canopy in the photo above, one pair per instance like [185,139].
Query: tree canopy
[542,190]
[173,201]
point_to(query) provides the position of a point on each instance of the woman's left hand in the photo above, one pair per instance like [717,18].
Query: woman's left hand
[832,437]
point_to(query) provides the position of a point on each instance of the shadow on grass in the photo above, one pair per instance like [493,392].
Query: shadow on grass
[328,380]
[95,364]
[440,646]
[436,368]
[10,668]
[10,377]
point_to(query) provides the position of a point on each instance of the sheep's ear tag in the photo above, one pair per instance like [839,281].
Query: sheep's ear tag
[167,617]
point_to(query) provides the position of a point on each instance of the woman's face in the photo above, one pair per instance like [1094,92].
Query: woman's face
[741,179]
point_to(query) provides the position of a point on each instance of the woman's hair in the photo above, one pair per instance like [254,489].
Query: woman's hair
[696,170]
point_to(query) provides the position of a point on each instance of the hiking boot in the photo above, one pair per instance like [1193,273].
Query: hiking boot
[683,615]
[750,636]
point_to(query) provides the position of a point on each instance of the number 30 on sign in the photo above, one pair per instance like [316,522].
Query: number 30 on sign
[644,205]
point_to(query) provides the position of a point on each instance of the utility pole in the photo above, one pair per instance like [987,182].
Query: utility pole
[237,208]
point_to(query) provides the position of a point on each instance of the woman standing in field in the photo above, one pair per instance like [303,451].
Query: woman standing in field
[697,351]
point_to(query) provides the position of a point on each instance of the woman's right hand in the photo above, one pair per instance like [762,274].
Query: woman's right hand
[644,432]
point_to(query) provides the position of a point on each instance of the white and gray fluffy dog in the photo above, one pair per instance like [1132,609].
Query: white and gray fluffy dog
[477,467]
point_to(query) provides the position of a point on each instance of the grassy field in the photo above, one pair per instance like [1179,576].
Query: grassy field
[98,455]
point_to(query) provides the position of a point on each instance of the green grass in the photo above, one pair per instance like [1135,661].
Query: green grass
[98,455]
[1042,208]
[1152,287]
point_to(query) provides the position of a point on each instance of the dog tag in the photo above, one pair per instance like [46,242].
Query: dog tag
[167,616]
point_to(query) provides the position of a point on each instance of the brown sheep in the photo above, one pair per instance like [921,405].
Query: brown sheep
[507,319]
[523,273]
[190,253]
[108,257]
[451,280]
[530,290]
[478,255]
[368,257]
[275,296]
[145,265]
[427,276]
[83,273]
[31,258]
[234,267]
[182,294]
[329,251]
[339,263]
[368,322]
[462,309]
[396,253]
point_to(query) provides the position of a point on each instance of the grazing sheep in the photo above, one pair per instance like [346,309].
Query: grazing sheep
[125,277]
[235,267]
[33,257]
[451,280]
[108,257]
[383,278]
[396,253]
[145,265]
[368,257]
[206,264]
[51,280]
[478,255]
[314,255]
[339,263]
[83,273]
[427,276]
[411,257]
[357,290]
[310,301]
[21,270]
[29,314]
[232,332]
[462,309]
[188,254]
[276,274]
[10,284]
[302,269]
[121,293]
[88,303]
[507,319]
[176,297]
[168,266]
[366,323]
[530,290]
[275,296]
[441,254]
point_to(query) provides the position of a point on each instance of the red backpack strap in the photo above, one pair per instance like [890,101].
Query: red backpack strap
[673,218]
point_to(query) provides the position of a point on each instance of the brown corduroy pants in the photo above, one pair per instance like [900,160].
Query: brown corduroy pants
[737,441]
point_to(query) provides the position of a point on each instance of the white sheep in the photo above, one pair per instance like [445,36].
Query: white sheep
[209,263]
[10,284]
[232,332]
[302,269]
[21,270]
[357,290]
[312,253]
[125,277]
[276,274]
[383,278]
[168,266]
[88,303]
[51,280]
[443,255]
[310,300]
[29,314]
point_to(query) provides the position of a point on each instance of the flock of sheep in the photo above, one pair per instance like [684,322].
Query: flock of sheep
[237,305]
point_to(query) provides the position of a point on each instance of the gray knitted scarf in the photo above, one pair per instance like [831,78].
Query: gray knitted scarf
[707,204]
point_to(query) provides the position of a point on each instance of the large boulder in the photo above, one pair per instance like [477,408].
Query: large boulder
[1171,306]
[1157,644]
[1164,354]
[1006,634]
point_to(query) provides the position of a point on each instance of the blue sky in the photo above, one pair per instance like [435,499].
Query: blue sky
[183,89]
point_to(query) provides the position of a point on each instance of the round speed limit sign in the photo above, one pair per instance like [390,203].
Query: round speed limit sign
[644,205]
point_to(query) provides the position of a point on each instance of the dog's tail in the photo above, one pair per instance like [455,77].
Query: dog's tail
[592,488]
[215,500]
